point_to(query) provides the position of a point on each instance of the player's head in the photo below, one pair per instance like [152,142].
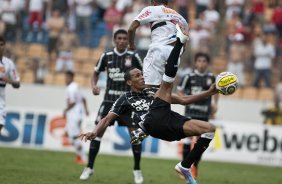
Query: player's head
[134,78]
[69,76]
[2,45]
[201,61]
[121,39]
[159,2]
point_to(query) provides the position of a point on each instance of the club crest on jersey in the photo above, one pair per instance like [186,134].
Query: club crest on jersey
[128,61]
[209,81]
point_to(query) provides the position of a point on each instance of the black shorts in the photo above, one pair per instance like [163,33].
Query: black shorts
[124,120]
[163,123]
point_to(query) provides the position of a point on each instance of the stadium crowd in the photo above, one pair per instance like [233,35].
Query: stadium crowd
[46,37]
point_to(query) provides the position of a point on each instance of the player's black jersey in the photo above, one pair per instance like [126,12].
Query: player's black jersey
[136,102]
[192,84]
[116,65]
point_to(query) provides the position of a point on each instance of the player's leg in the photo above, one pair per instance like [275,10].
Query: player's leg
[193,128]
[171,67]
[137,151]
[95,144]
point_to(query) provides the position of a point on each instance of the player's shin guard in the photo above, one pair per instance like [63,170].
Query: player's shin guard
[171,66]
[199,148]
[93,151]
[137,150]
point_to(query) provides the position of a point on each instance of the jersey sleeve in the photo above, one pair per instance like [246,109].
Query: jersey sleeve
[184,83]
[137,61]
[145,16]
[101,64]
[120,106]
[13,72]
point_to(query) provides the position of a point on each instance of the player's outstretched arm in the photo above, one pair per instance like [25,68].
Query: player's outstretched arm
[131,34]
[188,99]
[103,123]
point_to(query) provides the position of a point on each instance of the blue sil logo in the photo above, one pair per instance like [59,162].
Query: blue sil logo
[33,126]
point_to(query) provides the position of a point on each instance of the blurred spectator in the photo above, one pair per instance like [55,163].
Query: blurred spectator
[236,60]
[8,11]
[40,69]
[202,5]
[112,17]
[233,6]
[36,11]
[263,52]
[258,10]
[103,5]
[55,26]
[182,8]
[2,27]
[84,10]
[277,18]
[67,42]
[211,16]
[61,5]
[122,5]
[199,37]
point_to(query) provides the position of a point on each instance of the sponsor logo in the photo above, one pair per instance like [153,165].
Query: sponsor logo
[145,14]
[115,74]
[227,80]
[141,105]
[169,11]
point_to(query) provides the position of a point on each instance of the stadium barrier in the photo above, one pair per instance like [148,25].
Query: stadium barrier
[34,120]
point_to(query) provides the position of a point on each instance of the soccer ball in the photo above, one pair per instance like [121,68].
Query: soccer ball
[226,83]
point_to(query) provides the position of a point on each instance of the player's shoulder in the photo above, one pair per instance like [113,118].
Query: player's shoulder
[210,74]
[7,60]
[73,86]
[109,53]
[130,52]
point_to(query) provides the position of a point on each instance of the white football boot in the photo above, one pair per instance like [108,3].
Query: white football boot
[87,172]
[138,177]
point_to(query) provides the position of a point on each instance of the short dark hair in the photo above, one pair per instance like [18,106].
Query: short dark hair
[127,75]
[201,54]
[165,2]
[2,39]
[69,73]
[120,31]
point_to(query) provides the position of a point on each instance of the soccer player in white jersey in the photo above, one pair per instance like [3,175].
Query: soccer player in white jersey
[8,75]
[162,20]
[74,113]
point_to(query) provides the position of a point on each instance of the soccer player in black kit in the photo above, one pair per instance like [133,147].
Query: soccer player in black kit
[115,62]
[194,83]
[152,110]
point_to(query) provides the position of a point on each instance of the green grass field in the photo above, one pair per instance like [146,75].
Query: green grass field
[24,166]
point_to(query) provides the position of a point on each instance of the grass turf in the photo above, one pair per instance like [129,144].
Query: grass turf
[24,166]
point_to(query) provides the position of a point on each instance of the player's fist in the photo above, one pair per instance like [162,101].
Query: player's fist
[213,89]
[96,90]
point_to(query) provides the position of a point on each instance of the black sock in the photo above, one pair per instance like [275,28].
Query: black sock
[186,150]
[137,149]
[196,153]
[93,151]
[172,61]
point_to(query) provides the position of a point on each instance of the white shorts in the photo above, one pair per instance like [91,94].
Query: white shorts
[2,117]
[154,63]
[73,126]
[64,62]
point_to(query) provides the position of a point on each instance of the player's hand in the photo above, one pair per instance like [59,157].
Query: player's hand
[96,90]
[131,47]
[213,89]
[7,80]
[88,136]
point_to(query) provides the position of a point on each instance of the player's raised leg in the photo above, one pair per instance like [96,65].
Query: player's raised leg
[171,66]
